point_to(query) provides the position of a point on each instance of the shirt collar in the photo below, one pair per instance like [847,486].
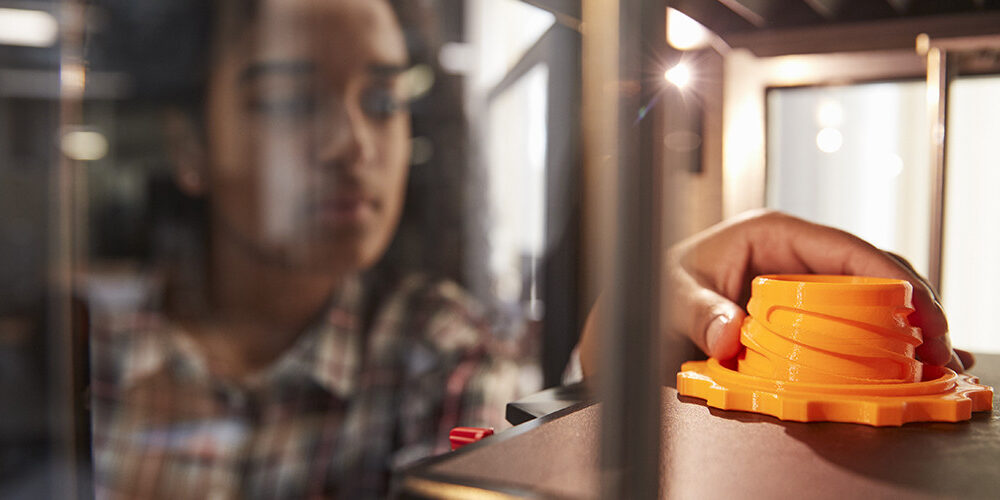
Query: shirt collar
[330,350]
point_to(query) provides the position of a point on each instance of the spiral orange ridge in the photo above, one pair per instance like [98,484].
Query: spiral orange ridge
[815,329]
[834,348]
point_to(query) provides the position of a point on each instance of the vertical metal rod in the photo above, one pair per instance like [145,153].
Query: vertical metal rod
[940,70]
[68,474]
[630,379]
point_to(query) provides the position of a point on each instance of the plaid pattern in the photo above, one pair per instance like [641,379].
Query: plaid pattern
[332,417]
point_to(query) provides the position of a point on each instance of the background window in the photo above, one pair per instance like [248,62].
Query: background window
[971,261]
[854,157]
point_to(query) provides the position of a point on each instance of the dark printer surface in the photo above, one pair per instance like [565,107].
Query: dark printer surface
[713,453]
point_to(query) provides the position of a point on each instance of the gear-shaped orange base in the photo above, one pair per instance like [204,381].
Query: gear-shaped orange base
[833,348]
[947,397]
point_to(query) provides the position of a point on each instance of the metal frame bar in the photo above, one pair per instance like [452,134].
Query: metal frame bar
[943,64]
[622,203]
[940,72]
[68,416]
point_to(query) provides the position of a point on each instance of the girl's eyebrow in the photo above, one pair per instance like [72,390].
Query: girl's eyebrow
[264,68]
[299,67]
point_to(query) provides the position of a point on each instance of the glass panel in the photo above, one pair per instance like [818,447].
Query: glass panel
[854,157]
[37,417]
[295,242]
[971,269]
[516,143]
[503,30]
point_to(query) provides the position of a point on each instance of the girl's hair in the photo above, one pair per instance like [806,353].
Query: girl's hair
[431,235]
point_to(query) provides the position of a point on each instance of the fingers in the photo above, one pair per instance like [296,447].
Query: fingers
[589,340]
[722,335]
[709,319]
[826,250]
[955,363]
[929,316]
[966,357]
[936,350]
[716,266]
[913,272]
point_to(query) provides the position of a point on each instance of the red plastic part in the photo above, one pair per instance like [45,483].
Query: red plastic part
[461,436]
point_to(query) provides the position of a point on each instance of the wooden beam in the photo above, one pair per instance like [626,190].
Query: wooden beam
[715,16]
[776,13]
[828,9]
[892,34]
[753,11]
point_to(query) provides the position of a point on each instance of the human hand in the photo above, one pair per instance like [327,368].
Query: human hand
[709,278]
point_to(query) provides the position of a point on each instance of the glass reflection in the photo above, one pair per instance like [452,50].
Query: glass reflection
[301,332]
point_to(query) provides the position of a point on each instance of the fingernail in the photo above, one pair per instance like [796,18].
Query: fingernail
[956,363]
[936,351]
[714,333]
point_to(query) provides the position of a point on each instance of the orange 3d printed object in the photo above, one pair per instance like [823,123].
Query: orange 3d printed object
[833,348]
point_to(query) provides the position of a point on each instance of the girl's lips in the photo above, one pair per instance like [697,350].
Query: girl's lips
[349,210]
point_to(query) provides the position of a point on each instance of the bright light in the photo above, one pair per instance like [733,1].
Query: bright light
[73,78]
[791,70]
[684,33]
[679,75]
[890,165]
[829,113]
[829,140]
[418,80]
[457,58]
[30,28]
[84,145]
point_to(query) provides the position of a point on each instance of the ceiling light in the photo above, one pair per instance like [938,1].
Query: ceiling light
[84,145]
[684,33]
[29,28]
[679,75]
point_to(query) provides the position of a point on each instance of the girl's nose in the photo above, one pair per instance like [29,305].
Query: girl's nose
[344,136]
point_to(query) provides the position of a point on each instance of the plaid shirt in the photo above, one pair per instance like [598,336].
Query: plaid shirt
[332,417]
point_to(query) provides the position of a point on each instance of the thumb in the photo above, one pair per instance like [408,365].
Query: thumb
[711,320]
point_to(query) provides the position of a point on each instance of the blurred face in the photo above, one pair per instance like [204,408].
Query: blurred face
[308,133]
